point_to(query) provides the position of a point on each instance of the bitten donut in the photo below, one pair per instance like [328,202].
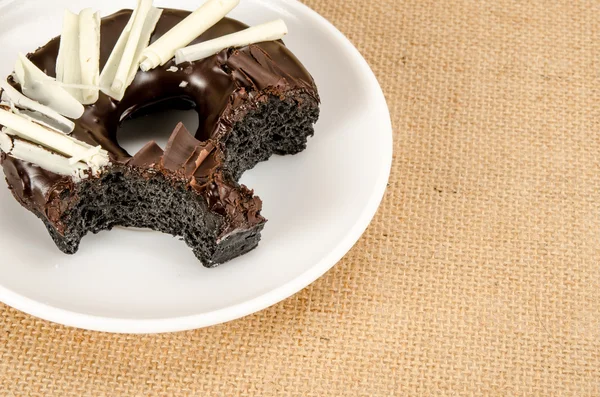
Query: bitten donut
[252,101]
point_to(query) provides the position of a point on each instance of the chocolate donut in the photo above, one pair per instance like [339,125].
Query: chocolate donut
[251,102]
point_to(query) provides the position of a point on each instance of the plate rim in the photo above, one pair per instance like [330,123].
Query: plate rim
[233,312]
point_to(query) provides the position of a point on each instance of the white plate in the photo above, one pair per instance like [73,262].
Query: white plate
[318,203]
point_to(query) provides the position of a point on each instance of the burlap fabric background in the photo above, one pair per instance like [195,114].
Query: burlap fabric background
[479,276]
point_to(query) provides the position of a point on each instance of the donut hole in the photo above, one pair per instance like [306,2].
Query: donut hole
[155,122]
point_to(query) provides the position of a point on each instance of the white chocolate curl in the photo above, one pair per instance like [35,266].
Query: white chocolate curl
[68,68]
[24,128]
[269,31]
[21,101]
[132,43]
[37,85]
[6,142]
[89,54]
[85,155]
[198,22]
[124,60]
[78,60]
[26,151]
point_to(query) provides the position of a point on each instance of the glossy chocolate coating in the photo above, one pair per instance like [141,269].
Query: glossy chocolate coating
[215,84]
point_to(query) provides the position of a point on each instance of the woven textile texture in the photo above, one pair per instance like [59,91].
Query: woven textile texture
[480,275]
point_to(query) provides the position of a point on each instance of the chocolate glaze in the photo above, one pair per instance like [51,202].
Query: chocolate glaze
[37,189]
[216,85]
[221,88]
